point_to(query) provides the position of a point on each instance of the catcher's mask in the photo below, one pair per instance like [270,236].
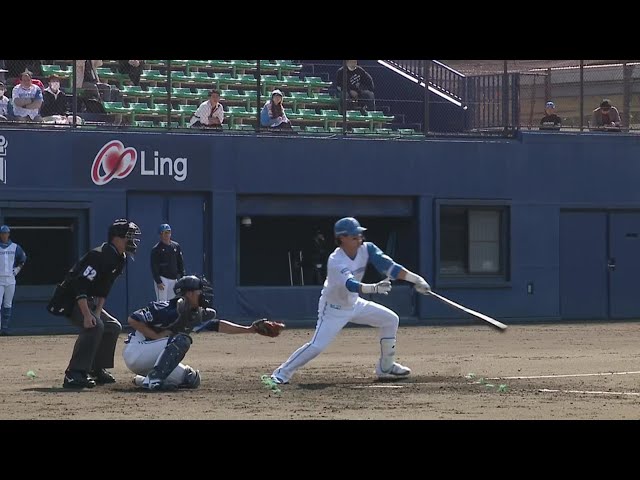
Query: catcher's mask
[192,282]
[123,228]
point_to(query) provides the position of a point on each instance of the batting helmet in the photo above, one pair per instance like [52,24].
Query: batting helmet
[190,283]
[347,226]
[123,228]
[5,229]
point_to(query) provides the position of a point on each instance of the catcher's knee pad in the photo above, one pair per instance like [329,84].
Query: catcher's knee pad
[191,378]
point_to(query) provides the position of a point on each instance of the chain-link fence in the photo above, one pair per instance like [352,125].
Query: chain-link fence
[372,98]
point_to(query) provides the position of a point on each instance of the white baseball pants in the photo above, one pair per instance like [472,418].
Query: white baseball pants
[166,294]
[332,319]
[140,356]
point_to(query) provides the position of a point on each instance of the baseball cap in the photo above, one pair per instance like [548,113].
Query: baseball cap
[165,227]
[5,229]
[550,105]
[26,72]
[2,85]
[277,92]
[605,104]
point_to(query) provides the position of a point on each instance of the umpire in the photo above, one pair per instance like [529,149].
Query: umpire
[81,297]
[167,264]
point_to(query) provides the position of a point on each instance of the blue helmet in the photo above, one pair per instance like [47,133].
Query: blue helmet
[5,229]
[347,226]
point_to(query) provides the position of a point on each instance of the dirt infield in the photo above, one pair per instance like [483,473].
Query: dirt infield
[339,384]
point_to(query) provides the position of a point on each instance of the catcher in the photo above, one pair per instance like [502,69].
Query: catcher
[160,339]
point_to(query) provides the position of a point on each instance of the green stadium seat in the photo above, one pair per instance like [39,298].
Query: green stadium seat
[153,76]
[187,109]
[243,127]
[116,107]
[143,123]
[333,115]
[140,107]
[183,93]
[360,131]
[313,129]
[133,91]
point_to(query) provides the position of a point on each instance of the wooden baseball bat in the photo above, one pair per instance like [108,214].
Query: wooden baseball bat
[501,327]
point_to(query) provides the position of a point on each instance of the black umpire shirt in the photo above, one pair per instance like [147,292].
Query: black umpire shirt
[95,272]
[166,261]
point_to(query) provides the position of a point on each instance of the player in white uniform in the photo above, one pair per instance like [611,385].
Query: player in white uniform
[12,259]
[340,301]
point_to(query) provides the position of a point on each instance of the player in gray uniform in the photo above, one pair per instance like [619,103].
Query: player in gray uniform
[160,340]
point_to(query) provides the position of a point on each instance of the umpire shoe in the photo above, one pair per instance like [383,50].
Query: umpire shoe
[101,376]
[77,379]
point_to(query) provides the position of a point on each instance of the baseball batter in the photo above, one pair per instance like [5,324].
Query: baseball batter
[340,301]
[160,340]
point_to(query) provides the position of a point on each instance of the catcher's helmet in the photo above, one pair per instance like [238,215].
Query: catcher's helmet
[347,226]
[123,228]
[190,283]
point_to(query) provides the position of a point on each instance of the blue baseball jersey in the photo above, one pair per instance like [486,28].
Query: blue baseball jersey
[174,315]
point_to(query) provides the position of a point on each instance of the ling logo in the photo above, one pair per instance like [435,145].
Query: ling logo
[115,161]
[3,159]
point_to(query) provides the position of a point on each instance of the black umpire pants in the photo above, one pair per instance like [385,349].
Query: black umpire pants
[95,347]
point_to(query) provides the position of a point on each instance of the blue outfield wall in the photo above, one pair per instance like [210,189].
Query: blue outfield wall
[536,175]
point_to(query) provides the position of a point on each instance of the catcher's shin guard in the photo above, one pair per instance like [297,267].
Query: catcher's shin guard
[169,359]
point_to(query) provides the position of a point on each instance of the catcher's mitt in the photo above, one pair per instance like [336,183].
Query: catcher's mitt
[268,328]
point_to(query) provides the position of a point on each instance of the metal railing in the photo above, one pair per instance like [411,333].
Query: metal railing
[165,94]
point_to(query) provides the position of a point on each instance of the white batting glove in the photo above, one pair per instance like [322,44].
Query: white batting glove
[16,270]
[422,287]
[383,287]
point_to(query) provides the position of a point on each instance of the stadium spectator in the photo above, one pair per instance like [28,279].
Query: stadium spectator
[27,99]
[273,114]
[4,103]
[133,68]
[606,116]
[54,101]
[359,94]
[210,113]
[550,121]
[87,78]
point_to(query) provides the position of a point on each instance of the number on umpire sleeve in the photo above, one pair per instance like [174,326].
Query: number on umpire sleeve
[90,273]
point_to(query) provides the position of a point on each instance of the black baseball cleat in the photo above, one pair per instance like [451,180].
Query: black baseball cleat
[77,379]
[101,376]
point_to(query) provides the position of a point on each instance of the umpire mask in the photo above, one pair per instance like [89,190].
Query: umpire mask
[123,228]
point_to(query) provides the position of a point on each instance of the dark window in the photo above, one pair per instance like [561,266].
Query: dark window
[50,245]
[281,250]
[473,241]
